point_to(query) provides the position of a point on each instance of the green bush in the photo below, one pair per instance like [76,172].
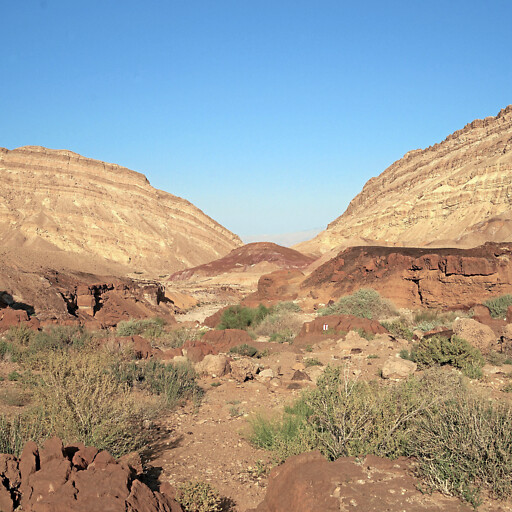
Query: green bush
[80,400]
[311,361]
[457,352]
[399,329]
[16,432]
[149,327]
[173,382]
[198,496]
[428,319]
[364,303]
[499,305]
[286,307]
[238,317]
[464,444]
[460,442]
[244,350]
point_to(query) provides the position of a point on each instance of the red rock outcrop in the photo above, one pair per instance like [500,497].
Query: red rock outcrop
[415,277]
[330,326]
[456,193]
[74,478]
[245,258]
[58,202]
[50,296]
[308,483]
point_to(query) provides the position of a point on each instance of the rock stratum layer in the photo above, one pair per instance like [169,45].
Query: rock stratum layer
[410,277]
[60,202]
[457,192]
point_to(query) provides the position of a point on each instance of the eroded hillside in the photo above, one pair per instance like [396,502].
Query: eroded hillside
[457,192]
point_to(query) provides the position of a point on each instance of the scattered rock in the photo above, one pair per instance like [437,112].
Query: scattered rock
[398,368]
[479,335]
[213,365]
[244,369]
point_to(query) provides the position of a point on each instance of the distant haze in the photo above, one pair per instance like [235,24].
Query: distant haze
[286,239]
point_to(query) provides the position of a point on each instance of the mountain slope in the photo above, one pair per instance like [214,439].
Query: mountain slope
[457,192]
[56,201]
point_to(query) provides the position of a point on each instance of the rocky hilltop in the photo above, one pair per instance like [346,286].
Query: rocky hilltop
[457,192]
[60,203]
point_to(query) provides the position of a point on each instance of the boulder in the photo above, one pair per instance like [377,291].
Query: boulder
[244,369]
[309,483]
[479,335]
[213,365]
[334,326]
[398,368]
[74,478]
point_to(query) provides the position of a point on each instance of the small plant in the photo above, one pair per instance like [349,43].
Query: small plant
[150,327]
[457,352]
[508,388]
[372,356]
[308,348]
[310,361]
[244,350]
[286,336]
[498,358]
[235,412]
[399,329]
[365,334]
[198,496]
[216,384]
[14,376]
[364,303]
[404,354]
[499,305]
[238,317]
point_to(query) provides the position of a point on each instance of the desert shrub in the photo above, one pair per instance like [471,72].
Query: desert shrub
[428,319]
[198,496]
[460,441]
[311,361]
[281,326]
[463,444]
[498,358]
[238,317]
[19,335]
[149,327]
[176,337]
[80,400]
[499,305]
[173,382]
[244,350]
[286,307]
[364,303]
[457,352]
[365,334]
[17,431]
[399,329]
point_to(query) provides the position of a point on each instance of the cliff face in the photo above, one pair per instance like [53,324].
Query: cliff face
[457,192]
[59,201]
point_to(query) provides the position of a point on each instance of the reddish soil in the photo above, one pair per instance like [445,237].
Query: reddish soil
[243,258]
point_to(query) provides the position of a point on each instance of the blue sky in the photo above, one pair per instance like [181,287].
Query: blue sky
[268,115]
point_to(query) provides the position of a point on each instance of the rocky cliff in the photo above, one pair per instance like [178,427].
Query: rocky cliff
[457,192]
[59,202]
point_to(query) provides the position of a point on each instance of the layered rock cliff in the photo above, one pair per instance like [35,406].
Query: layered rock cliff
[457,192]
[58,201]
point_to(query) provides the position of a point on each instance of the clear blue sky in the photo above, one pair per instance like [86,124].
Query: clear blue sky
[268,115]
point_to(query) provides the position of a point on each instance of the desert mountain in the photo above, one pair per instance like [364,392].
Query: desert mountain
[455,193]
[57,203]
